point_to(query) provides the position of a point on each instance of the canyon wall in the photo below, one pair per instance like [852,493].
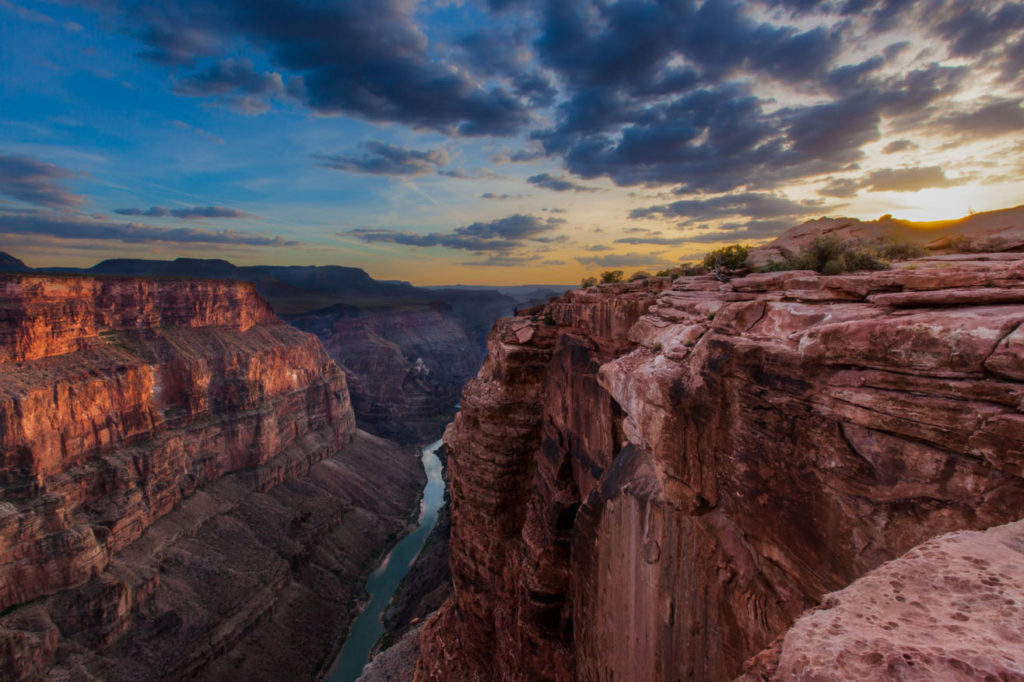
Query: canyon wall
[653,480]
[405,364]
[182,481]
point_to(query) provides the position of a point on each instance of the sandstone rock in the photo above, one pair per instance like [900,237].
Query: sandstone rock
[165,494]
[659,486]
[949,609]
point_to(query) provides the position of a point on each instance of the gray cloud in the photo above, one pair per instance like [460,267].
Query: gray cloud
[557,184]
[908,179]
[81,227]
[35,182]
[381,158]
[497,236]
[624,260]
[897,146]
[190,213]
[749,204]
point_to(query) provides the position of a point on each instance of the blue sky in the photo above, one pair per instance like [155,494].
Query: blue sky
[493,141]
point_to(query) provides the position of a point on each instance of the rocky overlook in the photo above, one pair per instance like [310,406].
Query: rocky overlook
[654,480]
[183,484]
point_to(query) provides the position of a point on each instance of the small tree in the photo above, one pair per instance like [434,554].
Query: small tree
[639,274]
[610,276]
[589,282]
[732,257]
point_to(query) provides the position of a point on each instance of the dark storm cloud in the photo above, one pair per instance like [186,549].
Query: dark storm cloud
[368,60]
[81,227]
[35,182]
[190,213]
[500,236]
[230,76]
[751,205]
[557,184]
[908,179]
[380,158]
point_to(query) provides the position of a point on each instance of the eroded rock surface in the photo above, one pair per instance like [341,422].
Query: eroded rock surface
[950,609]
[178,477]
[658,485]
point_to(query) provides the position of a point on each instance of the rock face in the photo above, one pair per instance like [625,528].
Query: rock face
[949,609]
[405,364]
[173,461]
[990,231]
[659,484]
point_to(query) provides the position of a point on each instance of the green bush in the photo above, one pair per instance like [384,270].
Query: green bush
[639,274]
[549,320]
[831,255]
[732,257]
[589,282]
[611,276]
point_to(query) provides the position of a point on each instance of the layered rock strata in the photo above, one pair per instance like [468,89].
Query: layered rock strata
[405,364]
[173,459]
[656,486]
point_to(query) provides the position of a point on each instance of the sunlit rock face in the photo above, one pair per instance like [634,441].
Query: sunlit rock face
[658,484]
[179,471]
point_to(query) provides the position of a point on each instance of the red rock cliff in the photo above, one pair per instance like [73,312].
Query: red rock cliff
[120,399]
[658,485]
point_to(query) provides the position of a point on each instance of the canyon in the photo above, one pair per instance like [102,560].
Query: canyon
[406,351]
[655,480]
[185,493]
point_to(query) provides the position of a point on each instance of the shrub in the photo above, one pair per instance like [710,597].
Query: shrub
[549,320]
[831,255]
[669,272]
[611,276]
[589,282]
[639,274]
[732,257]
[893,250]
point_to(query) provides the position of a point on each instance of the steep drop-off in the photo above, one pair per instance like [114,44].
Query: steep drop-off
[405,365]
[656,486]
[182,483]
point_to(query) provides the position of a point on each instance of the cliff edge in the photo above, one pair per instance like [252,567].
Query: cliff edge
[180,470]
[654,480]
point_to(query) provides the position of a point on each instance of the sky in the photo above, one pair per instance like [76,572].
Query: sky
[493,141]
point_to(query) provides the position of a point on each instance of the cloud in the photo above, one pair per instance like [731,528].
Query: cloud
[190,213]
[908,179]
[508,261]
[381,158]
[897,146]
[236,81]
[557,184]
[624,260]
[367,60]
[840,187]
[751,205]
[499,236]
[83,228]
[659,241]
[35,182]
[498,197]
[998,116]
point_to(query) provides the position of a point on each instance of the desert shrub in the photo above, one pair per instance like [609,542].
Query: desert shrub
[639,274]
[549,320]
[589,282]
[610,276]
[732,257]
[831,255]
[693,270]
[669,272]
[892,250]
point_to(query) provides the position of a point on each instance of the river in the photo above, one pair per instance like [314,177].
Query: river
[384,581]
